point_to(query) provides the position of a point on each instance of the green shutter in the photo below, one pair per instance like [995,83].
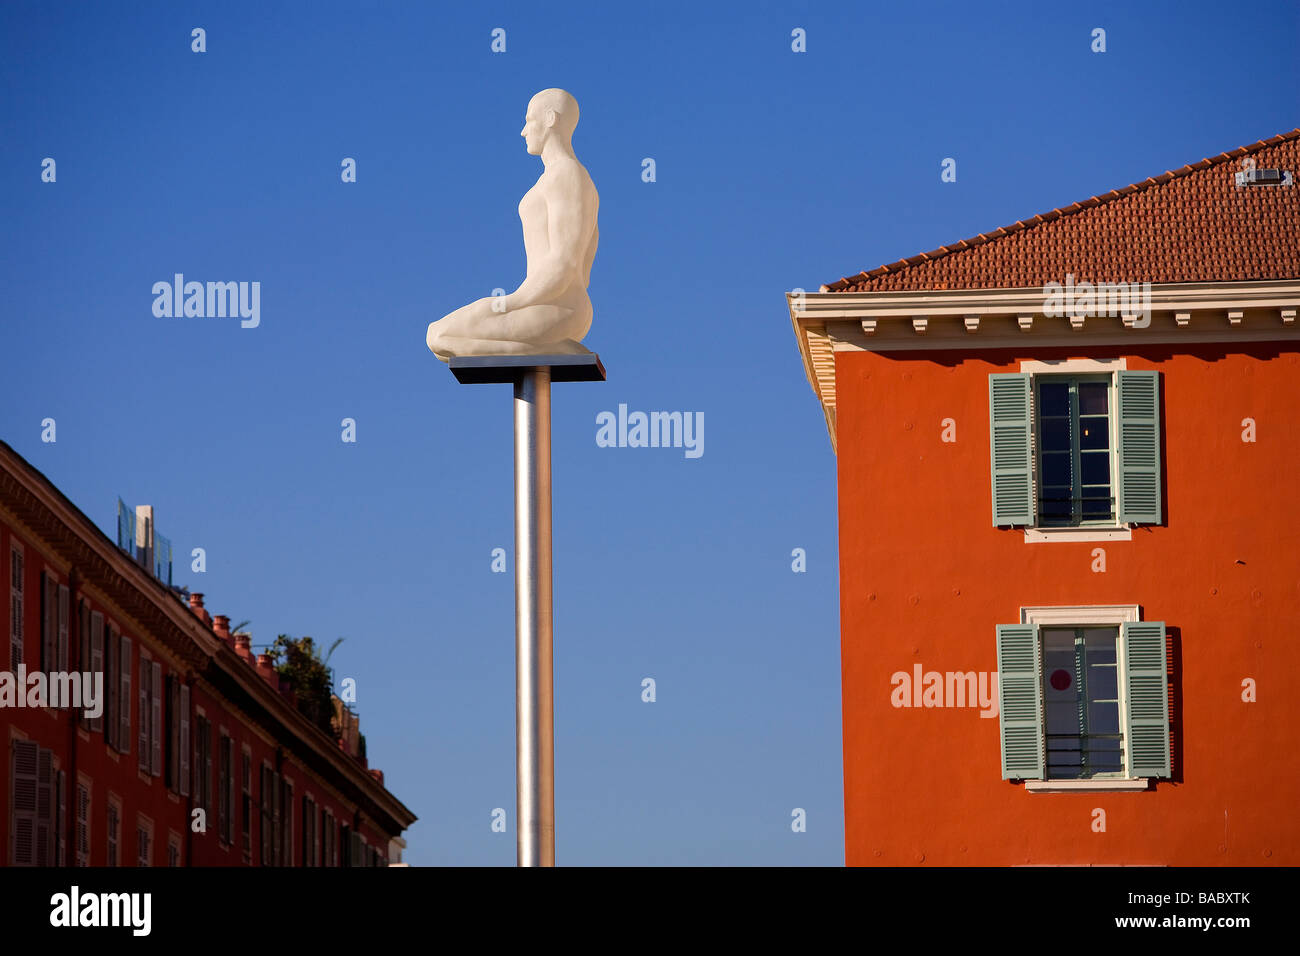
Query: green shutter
[1146,732]
[1139,448]
[1020,711]
[1009,445]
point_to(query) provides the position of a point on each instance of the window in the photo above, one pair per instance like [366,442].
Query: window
[1074,460]
[178,736]
[173,848]
[83,824]
[328,839]
[309,832]
[1081,702]
[61,820]
[246,804]
[90,656]
[225,790]
[109,720]
[203,766]
[124,692]
[266,823]
[34,803]
[15,606]
[54,626]
[1075,450]
[143,842]
[1085,700]
[286,822]
[150,736]
[114,822]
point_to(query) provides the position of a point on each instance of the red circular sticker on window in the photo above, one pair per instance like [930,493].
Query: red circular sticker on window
[1060,679]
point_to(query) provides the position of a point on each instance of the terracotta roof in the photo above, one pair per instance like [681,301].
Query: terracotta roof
[1192,224]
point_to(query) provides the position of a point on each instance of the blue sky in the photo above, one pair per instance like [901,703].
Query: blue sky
[774,170]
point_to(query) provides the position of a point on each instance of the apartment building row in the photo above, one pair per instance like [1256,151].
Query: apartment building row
[197,753]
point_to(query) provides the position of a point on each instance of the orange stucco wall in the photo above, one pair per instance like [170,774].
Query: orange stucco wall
[925,578]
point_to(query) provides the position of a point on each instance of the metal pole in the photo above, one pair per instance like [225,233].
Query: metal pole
[534,710]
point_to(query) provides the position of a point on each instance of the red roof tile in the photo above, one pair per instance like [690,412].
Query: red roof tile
[1192,224]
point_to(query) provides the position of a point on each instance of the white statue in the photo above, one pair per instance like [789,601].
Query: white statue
[550,312]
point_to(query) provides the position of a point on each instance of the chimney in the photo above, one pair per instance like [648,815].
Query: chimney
[243,648]
[196,605]
[144,536]
[221,625]
[267,669]
[378,775]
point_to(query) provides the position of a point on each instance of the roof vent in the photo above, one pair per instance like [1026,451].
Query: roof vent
[1264,177]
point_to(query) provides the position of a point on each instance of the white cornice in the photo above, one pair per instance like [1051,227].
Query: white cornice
[974,320]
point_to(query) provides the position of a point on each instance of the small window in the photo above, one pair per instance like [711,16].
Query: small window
[1081,704]
[144,843]
[1075,481]
[113,828]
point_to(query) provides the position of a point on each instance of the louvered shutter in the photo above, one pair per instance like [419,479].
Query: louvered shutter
[49,605]
[275,816]
[61,652]
[112,679]
[1146,732]
[185,740]
[44,807]
[83,662]
[15,608]
[223,788]
[142,737]
[1020,711]
[61,822]
[1010,437]
[1139,447]
[83,826]
[97,672]
[26,755]
[264,815]
[124,704]
[155,721]
[318,824]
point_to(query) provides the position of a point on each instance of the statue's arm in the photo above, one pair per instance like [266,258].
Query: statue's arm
[571,217]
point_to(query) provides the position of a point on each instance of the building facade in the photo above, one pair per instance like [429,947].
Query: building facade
[1069,555]
[194,754]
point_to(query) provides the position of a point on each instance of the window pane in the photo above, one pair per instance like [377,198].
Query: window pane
[1100,644]
[1054,398]
[1094,468]
[1103,718]
[1054,505]
[1094,509]
[1056,469]
[1094,433]
[1103,684]
[1092,398]
[1055,434]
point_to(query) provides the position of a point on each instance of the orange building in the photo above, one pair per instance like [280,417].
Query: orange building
[1069,551]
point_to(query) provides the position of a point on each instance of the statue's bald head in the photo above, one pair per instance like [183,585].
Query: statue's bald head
[562,103]
[551,113]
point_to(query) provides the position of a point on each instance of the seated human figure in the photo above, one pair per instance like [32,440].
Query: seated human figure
[550,312]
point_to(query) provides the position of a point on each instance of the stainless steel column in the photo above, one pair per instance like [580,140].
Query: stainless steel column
[534,709]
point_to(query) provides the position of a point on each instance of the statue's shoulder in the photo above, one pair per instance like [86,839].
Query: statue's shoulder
[570,174]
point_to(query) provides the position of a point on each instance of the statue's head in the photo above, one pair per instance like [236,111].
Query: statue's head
[550,113]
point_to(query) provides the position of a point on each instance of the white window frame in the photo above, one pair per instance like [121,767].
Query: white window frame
[1035,368]
[144,823]
[1095,615]
[113,834]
